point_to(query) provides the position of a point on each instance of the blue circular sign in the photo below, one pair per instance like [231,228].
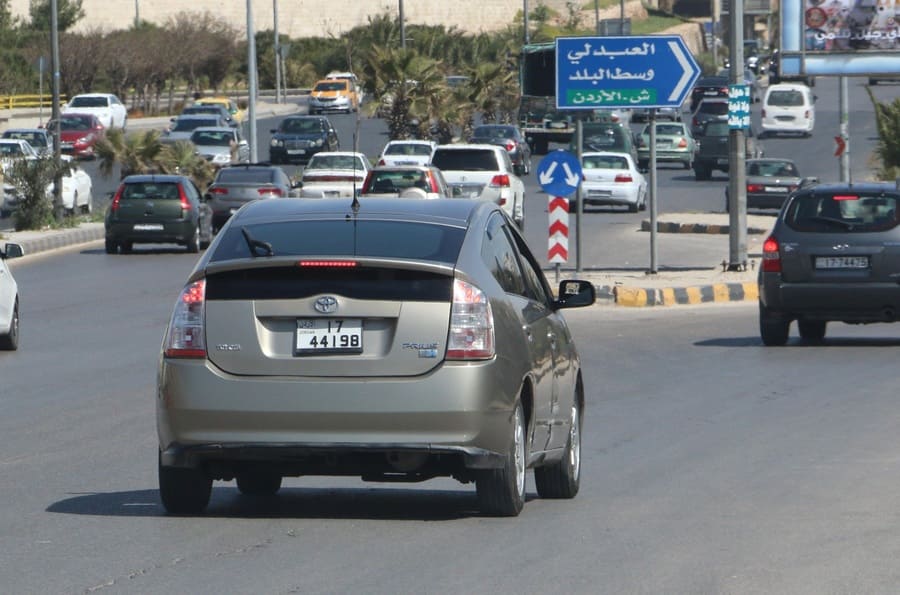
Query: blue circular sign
[559,173]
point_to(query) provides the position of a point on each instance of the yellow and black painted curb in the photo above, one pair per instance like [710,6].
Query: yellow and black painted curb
[672,296]
[669,227]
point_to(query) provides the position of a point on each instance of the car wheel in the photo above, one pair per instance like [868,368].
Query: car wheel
[687,165]
[701,172]
[643,205]
[193,245]
[258,483]
[88,208]
[773,328]
[9,341]
[643,165]
[812,331]
[111,247]
[126,247]
[501,492]
[633,208]
[562,478]
[183,491]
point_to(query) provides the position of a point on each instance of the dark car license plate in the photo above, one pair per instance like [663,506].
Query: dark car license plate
[842,262]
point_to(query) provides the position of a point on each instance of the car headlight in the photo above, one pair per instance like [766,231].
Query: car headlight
[221,158]
[319,142]
[277,142]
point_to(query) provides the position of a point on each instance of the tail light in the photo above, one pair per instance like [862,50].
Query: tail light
[792,187]
[754,187]
[682,143]
[381,162]
[218,190]
[471,334]
[806,114]
[117,199]
[186,336]
[368,182]
[771,262]
[500,181]
[270,192]
[432,183]
[695,122]
[624,178]
[185,203]
[510,146]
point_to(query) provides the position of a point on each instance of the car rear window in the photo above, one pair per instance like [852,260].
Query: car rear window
[89,102]
[187,124]
[347,238]
[33,138]
[668,129]
[391,181]
[465,160]
[717,108]
[785,98]
[244,176]
[408,149]
[605,162]
[151,190]
[771,169]
[844,211]
[716,129]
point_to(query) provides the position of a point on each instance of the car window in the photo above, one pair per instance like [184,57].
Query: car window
[535,282]
[499,257]
[188,124]
[390,181]
[716,129]
[408,149]
[716,108]
[334,162]
[209,137]
[772,169]
[848,212]
[89,102]
[150,190]
[787,98]
[668,129]
[10,150]
[230,175]
[301,126]
[605,162]
[365,238]
[465,160]
[335,85]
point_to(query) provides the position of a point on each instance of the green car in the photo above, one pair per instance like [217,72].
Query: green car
[158,209]
[674,144]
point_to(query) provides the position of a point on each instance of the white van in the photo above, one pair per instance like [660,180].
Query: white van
[788,107]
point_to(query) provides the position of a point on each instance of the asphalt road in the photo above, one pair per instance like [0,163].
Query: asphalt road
[711,465]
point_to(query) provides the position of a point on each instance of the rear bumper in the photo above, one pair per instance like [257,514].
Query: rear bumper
[206,416]
[792,126]
[673,156]
[847,302]
[179,232]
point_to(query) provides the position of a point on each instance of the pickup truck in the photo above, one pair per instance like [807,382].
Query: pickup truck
[713,151]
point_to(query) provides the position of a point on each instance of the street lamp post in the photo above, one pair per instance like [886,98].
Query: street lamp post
[54,109]
[251,84]
[277,53]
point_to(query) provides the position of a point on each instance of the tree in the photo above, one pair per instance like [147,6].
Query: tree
[68,13]
[134,153]
[887,149]
[33,181]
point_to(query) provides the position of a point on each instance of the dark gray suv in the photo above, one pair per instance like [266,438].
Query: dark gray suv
[833,255]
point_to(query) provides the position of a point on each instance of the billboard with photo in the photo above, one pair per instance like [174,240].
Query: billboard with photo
[840,37]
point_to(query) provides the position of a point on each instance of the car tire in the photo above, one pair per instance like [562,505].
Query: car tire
[111,247]
[183,491]
[258,483]
[701,172]
[633,208]
[193,245]
[88,208]
[562,478]
[773,328]
[9,341]
[126,247]
[687,164]
[501,492]
[812,331]
[643,165]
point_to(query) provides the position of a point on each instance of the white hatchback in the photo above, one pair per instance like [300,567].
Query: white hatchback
[788,107]
[407,152]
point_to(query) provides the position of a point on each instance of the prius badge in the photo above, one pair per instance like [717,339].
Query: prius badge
[326,304]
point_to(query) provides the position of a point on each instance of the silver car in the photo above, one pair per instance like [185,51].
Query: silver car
[221,145]
[393,340]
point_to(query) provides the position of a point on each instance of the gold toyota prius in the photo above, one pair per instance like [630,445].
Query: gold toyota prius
[393,340]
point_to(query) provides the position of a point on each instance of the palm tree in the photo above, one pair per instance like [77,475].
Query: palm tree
[134,153]
[495,92]
[181,158]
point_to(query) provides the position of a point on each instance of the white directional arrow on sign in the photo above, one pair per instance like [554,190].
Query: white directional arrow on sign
[546,177]
[687,71]
[571,178]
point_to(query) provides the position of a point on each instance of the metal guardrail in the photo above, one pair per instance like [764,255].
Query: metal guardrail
[16,101]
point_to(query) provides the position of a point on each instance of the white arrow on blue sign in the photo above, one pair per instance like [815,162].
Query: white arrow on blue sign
[559,173]
[631,71]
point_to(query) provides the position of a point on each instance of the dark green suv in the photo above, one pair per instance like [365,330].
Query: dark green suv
[158,209]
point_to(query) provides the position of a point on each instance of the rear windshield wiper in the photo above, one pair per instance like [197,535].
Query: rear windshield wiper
[257,247]
[835,222]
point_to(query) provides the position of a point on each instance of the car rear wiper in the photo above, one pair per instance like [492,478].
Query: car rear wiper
[257,245]
[835,222]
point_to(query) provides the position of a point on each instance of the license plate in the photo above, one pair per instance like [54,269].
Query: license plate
[775,189]
[328,335]
[296,151]
[842,262]
[148,227]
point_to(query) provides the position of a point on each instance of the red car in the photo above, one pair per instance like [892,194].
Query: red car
[78,133]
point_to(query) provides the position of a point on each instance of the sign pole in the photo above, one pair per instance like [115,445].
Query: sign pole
[737,152]
[579,201]
[654,265]
[844,101]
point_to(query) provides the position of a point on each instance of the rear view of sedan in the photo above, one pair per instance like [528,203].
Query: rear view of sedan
[612,179]
[235,186]
[392,340]
[833,255]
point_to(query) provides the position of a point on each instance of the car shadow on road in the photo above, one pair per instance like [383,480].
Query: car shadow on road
[290,502]
[798,342]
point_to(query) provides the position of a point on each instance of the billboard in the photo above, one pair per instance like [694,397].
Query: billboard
[840,37]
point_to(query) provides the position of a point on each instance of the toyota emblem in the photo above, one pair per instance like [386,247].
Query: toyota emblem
[326,304]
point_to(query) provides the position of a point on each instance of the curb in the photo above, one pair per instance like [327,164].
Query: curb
[57,239]
[669,227]
[671,296]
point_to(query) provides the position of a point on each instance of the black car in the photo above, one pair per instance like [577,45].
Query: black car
[157,209]
[511,139]
[833,255]
[298,138]
[235,186]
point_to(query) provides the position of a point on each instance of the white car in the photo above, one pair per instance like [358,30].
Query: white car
[485,172]
[612,179]
[407,152]
[788,107]
[106,106]
[77,189]
[11,150]
[332,174]
[9,300]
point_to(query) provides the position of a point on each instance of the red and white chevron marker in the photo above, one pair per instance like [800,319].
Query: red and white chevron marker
[558,247]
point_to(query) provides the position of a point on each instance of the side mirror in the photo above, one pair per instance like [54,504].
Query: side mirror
[13,251]
[574,293]
[809,180]
[273,131]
